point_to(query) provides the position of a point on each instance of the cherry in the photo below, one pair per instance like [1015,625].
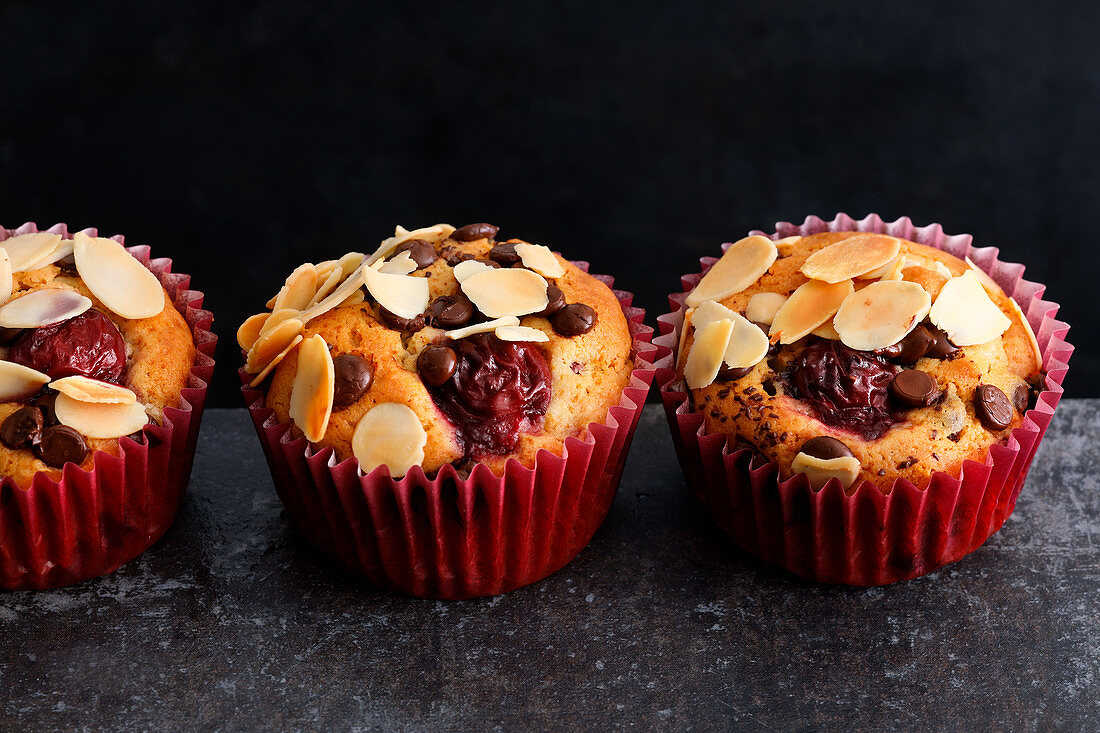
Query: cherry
[88,345]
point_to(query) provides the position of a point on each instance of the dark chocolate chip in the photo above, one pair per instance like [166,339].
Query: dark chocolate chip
[471,232]
[992,407]
[21,428]
[450,311]
[825,447]
[505,254]
[913,388]
[574,319]
[911,348]
[730,374]
[555,301]
[941,347]
[45,402]
[60,445]
[436,364]
[353,376]
[9,335]
[1020,397]
[397,323]
[421,252]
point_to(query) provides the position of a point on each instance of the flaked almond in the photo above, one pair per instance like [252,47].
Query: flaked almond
[314,388]
[100,419]
[983,277]
[748,345]
[466,268]
[1035,350]
[964,311]
[942,269]
[810,305]
[852,257]
[7,282]
[389,434]
[826,331]
[93,390]
[739,267]
[275,361]
[540,259]
[118,280]
[26,249]
[271,344]
[249,331]
[707,353]
[343,291]
[326,268]
[18,382]
[762,307]
[929,279]
[520,333]
[881,314]
[327,284]
[298,290]
[819,470]
[279,316]
[707,313]
[63,249]
[404,296]
[486,327]
[894,266]
[43,307]
[357,296]
[401,235]
[351,262]
[402,264]
[786,245]
[506,292]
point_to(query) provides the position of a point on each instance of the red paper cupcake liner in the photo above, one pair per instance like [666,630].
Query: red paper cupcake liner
[446,537]
[866,537]
[88,523]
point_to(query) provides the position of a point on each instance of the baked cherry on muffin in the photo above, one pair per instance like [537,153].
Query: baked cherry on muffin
[445,346]
[857,356]
[93,350]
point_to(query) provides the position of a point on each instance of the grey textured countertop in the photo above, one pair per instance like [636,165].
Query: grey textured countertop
[232,622]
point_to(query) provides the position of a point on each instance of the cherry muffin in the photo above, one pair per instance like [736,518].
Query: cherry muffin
[832,369]
[100,378]
[489,388]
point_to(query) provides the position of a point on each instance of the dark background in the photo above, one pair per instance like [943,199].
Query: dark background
[244,138]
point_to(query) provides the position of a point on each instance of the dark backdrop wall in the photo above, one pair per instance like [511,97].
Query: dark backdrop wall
[244,138]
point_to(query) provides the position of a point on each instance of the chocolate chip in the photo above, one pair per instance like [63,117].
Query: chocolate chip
[555,301]
[825,447]
[450,311]
[574,319]
[21,428]
[505,254]
[913,388]
[397,323]
[472,232]
[60,445]
[436,365]
[353,377]
[421,252]
[941,347]
[730,374]
[45,402]
[992,407]
[911,348]
[1020,397]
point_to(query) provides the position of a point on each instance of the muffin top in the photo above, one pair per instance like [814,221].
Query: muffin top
[856,356]
[92,350]
[445,346]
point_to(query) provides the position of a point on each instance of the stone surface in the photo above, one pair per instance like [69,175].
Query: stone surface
[232,621]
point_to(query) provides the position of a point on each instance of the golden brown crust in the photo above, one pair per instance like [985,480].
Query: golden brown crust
[160,353]
[588,371]
[757,409]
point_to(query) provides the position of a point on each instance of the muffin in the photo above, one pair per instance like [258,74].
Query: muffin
[822,378]
[488,387]
[103,370]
